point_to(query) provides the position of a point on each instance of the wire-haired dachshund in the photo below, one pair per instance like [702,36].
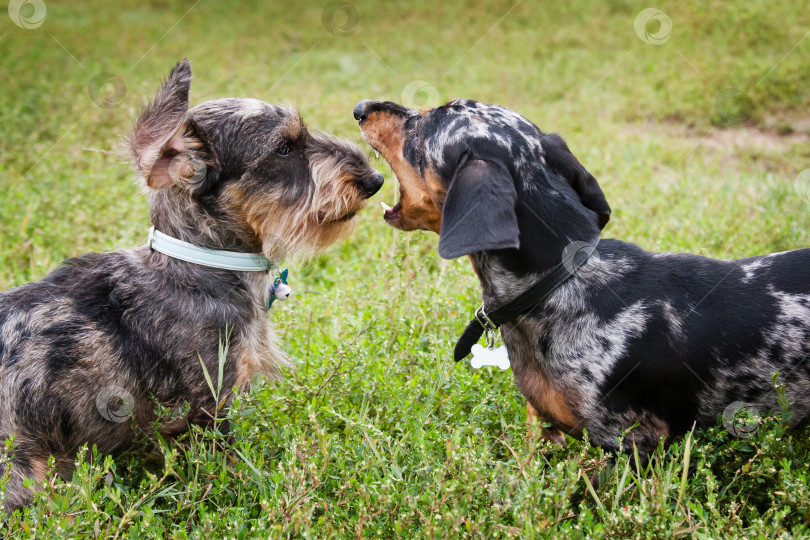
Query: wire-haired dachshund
[88,352]
[623,338]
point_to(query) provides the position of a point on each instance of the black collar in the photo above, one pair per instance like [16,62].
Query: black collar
[533,297]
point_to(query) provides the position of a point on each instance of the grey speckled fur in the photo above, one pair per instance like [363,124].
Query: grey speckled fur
[130,327]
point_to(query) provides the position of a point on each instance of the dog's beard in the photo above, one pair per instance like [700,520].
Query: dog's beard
[306,228]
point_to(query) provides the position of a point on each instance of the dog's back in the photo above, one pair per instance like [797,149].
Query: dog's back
[96,323]
[666,339]
[47,379]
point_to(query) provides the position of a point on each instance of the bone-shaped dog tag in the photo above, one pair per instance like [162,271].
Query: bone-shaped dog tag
[486,357]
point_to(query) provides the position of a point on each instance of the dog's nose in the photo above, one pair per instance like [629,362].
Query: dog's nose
[360,110]
[372,184]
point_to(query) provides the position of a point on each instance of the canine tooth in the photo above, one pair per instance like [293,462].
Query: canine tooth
[376,154]
[385,206]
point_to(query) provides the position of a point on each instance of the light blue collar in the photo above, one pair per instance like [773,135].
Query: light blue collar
[228,260]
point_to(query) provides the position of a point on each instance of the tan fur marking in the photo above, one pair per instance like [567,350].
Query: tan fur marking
[653,428]
[536,428]
[437,191]
[548,401]
[531,414]
[419,203]
[294,127]
[307,228]
[39,466]
[419,209]
[384,132]
[260,355]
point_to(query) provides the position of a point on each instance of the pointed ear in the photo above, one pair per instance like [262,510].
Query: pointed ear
[479,210]
[158,136]
[563,163]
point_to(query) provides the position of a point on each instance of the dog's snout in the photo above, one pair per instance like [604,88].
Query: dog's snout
[373,183]
[360,110]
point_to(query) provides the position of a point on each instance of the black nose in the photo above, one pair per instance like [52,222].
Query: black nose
[372,184]
[360,110]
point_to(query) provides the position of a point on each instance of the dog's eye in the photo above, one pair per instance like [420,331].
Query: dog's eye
[283,150]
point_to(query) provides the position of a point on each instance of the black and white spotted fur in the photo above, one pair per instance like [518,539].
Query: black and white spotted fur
[655,340]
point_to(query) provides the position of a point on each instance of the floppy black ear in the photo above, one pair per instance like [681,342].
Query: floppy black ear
[479,210]
[563,163]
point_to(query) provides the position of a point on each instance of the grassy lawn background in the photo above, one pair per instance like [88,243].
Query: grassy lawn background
[698,143]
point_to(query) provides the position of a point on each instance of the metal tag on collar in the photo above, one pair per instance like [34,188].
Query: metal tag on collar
[489,357]
[279,289]
[489,326]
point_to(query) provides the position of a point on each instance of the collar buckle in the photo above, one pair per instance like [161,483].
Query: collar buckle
[489,327]
[484,320]
[531,298]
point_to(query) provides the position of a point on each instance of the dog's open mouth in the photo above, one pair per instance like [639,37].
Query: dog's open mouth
[391,213]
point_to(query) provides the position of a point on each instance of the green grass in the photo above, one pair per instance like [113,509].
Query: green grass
[378,433]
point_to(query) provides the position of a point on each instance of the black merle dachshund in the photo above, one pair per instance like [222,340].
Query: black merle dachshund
[658,341]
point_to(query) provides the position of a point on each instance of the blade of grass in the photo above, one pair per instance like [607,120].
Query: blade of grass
[594,495]
[687,450]
[208,378]
[620,488]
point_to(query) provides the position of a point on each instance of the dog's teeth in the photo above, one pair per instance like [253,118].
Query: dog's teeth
[385,207]
[376,154]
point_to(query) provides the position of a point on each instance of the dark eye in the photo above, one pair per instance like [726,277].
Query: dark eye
[283,150]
